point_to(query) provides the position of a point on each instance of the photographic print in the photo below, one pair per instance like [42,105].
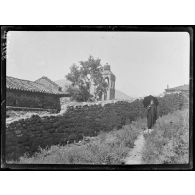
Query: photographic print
[96,97]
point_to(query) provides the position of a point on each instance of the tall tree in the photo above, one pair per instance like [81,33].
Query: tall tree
[83,77]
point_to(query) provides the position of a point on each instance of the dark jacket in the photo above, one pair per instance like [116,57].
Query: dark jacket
[151,115]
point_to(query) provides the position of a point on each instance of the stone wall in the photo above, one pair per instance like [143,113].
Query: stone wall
[27,135]
[19,98]
[15,115]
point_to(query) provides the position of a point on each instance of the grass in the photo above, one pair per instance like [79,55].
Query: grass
[169,142]
[106,148]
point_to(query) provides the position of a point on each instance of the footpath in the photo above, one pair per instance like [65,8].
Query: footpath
[135,154]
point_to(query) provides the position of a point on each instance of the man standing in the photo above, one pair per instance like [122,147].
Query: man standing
[151,115]
[150,103]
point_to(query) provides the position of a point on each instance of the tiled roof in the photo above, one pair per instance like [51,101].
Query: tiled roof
[179,88]
[25,85]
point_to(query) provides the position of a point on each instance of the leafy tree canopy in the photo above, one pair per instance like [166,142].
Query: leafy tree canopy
[84,76]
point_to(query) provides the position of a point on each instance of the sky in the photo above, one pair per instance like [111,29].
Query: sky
[143,62]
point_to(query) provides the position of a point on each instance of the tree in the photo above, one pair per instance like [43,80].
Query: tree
[84,76]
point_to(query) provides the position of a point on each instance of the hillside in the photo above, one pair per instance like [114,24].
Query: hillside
[119,95]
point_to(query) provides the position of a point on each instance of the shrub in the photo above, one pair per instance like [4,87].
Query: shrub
[170,103]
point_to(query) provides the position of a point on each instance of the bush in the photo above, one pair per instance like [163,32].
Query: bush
[170,103]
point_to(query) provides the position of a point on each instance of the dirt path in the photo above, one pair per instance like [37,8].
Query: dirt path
[135,154]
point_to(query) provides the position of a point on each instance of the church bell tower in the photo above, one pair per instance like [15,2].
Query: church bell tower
[110,79]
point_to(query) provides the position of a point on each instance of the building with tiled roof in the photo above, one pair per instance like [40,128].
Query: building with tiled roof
[36,86]
[42,93]
[179,89]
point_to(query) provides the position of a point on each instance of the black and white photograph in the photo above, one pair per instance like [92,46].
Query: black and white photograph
[97,97]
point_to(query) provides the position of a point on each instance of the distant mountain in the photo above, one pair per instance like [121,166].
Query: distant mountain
[63,83]
[119,95]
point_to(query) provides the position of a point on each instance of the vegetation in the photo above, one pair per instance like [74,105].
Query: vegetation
[169,142]
[171,102]
[85,75]
[106,148]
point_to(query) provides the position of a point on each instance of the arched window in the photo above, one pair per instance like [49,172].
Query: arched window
[107,80]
